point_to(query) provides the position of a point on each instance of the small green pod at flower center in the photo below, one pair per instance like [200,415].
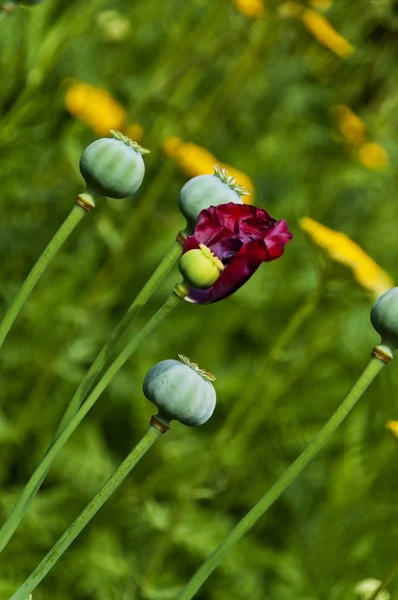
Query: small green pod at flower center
[181,391]
[200,267]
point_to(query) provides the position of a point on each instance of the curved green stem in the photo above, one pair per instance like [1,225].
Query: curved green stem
[87,514]
[92,375]
[287,478]
[34,482]
[76,214]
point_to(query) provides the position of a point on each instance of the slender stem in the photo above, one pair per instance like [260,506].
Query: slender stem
[235,417]
[92,375]
[76,214]
[87,514]
[373,368]
[26,497]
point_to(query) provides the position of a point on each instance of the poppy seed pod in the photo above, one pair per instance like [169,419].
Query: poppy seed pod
[384,317]
[200,268]
[181,391]
[112,167]
[208,190]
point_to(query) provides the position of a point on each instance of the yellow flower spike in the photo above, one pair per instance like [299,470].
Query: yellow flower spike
[195,160]
[350,125]
[393,427]
[251,8]
[343,250]
[96,107]
[323,31]
[373,156]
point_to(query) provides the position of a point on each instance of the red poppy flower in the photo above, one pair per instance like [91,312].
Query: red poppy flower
[242,237]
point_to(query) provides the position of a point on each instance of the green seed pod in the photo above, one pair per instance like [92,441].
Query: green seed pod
[208,190]
[181,391]
[200,268]
[112,167]
[384,317]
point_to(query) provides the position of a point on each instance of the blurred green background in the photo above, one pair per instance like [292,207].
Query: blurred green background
[257,86]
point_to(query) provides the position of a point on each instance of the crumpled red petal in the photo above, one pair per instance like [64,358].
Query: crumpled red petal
[242,236]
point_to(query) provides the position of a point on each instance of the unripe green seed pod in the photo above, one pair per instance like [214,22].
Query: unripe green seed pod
[113,166]
[200,268]
[208,190]
[181,391]
[384,317]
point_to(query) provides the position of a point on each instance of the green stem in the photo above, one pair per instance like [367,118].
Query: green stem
[92,375]
[287,478]
[118,333]
[87,514]
[76,214]
[235,416]
[383,586]
[34,482]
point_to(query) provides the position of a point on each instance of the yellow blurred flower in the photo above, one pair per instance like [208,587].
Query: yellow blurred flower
[251,8]
[134,131]
[350,125]
[322,5]
[393,427]
[195,160]
[343,250]
[373,156]
[320,28]
[99,110]
[96,107]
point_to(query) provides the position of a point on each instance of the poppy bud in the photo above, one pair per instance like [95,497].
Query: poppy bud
[208,190]
[384,317]
[181,391]
[200,268]
[112,167]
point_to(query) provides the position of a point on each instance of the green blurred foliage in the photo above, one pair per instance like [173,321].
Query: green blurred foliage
[285,348]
